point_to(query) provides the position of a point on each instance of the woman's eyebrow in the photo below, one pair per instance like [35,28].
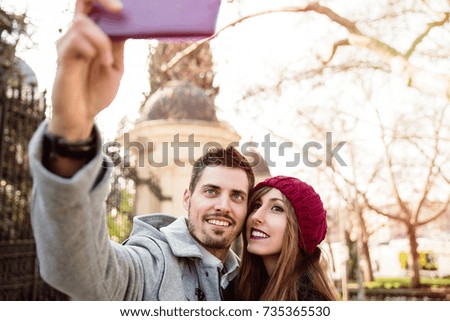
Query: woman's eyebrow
[276,199]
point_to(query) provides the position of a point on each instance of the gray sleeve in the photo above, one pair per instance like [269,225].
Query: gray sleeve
[69,224]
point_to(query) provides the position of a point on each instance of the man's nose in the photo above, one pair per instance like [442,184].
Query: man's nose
[223,204]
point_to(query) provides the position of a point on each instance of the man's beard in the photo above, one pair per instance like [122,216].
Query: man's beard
[207,241]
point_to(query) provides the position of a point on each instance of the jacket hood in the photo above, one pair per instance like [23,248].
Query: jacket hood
[150,224]
[168,228]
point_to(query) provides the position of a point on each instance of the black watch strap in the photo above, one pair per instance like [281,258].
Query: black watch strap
[54,145]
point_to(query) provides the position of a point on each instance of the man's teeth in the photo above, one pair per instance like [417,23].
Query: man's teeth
[259,234]
[219,223]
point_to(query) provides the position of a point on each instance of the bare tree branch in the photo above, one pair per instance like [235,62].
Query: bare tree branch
[429,9]
[414,76]
[337,44]
[419,39]
[384,213]
[411,137]
[350,26]
[443,175]
[376,228]
[182,54]
[309,75]
[400,202]
[437,214]
[428,158]
[352,183]
[429,176]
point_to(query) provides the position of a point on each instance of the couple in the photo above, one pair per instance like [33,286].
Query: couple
[164,258]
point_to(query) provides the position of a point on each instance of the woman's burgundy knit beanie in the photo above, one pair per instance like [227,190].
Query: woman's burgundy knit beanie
[311,215]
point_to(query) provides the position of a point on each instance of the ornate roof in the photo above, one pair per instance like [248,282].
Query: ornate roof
[179,100]
[257,162]
[29,77]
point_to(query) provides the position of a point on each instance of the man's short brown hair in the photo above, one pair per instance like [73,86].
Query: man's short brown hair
[227,157]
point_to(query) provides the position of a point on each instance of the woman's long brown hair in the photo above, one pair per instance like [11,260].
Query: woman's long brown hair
[292,266]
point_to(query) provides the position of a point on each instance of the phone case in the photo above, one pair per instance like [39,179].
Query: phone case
[163,20]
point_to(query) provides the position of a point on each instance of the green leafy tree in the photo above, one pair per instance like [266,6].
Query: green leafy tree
[120,205]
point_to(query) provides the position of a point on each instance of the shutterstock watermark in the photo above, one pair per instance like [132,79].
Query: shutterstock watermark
[273,152]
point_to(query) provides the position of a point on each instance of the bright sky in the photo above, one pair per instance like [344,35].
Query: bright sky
[241,56]
[48,17]
[251,53]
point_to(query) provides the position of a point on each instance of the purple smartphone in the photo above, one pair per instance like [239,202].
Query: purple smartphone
[163,20]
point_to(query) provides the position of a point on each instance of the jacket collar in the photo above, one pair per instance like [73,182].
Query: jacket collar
[184,245]
[175,232]
[170,229]
[180,240]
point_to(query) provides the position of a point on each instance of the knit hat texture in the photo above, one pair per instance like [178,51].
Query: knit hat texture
[311,215]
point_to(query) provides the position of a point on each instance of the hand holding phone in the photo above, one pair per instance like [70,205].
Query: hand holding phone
[163,19]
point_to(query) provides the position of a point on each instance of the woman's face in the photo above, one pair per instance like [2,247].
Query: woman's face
[266,224]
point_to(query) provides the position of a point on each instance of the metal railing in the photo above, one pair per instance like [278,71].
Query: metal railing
[21,111]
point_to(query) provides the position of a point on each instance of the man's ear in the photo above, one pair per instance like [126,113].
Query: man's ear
[186,199]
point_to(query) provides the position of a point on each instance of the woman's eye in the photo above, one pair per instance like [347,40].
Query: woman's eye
[277,208]
[256,206]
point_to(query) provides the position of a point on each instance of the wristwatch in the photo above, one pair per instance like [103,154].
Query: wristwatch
[55,145]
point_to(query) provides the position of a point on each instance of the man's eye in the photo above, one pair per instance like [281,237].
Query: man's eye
[238,197]
[210,191]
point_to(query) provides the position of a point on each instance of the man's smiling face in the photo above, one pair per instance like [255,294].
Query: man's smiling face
[217,208]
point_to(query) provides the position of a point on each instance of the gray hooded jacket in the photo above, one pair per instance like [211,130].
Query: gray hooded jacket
[160,260]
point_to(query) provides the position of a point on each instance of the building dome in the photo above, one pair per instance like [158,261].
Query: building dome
[179,100]
[20,74]
[258,163]
[26,73]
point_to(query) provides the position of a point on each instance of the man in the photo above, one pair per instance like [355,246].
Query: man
[188,259]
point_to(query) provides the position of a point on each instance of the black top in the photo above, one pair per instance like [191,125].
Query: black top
[307,293]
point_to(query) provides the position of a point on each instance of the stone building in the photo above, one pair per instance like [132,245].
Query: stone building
[177,124]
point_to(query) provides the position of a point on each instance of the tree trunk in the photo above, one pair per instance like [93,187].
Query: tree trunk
[368,269]
[415,278]
[331,261]
[365,252]
[352,257]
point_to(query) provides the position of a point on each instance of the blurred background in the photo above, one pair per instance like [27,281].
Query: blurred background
[351,97]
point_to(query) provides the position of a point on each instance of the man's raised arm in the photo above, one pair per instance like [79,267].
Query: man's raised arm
[90,67]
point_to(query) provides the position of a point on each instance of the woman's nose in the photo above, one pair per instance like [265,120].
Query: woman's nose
[258,215]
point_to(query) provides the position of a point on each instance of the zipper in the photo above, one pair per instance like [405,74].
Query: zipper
[220,287]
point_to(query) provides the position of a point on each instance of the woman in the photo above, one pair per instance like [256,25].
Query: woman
[280,259]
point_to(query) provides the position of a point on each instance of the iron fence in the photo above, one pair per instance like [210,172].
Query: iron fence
[22,110]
